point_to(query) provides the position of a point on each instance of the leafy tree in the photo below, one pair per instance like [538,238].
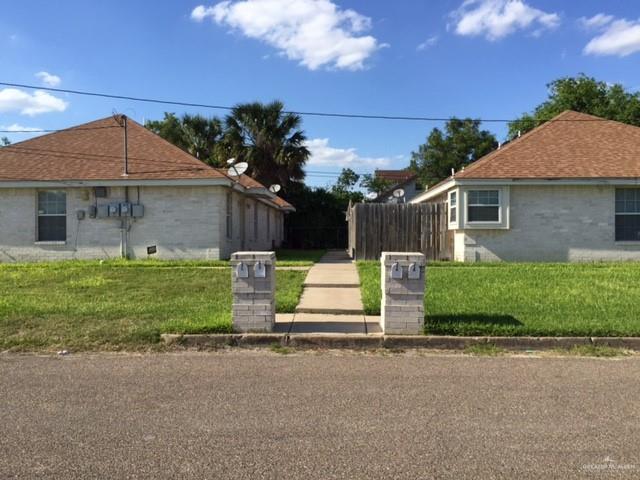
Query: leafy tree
[582,94]
[198,135]
[4,141]
[269,140]
[461,143]
[347,180]
[375,184]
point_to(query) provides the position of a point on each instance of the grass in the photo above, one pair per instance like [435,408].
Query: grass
[118,305]
[599,299]
[485,350]
[282,350]
[593,351]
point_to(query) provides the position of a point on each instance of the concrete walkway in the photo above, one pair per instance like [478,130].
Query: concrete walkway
[331,300]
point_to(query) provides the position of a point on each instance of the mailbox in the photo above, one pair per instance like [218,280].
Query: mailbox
[396,271]
[242,271]
[260,270]
[414,271]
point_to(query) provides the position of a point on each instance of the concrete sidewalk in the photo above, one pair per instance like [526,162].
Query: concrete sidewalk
[331,301]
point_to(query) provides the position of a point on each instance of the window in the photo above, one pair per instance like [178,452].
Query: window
[255,221]
[453,207]
[483,206]
[52,216]
[229,215]
[627,214]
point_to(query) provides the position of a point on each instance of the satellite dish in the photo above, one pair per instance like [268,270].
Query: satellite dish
[230,161]
[238,169]
[372,195]
[275,188]
[398,193]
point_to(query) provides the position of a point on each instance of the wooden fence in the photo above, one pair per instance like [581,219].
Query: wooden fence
[378,227]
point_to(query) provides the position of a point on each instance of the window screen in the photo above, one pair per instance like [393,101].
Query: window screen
[627,214]
[52,216]
[484,206]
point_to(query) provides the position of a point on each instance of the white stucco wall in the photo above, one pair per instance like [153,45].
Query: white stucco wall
[551,223]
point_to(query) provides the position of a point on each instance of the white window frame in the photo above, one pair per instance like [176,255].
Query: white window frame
[469,205]
[453,224]
[503,208]
[38,215]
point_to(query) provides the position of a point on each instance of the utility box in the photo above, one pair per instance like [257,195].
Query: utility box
[125,209]
[137,211]
[114,209]
[102,211]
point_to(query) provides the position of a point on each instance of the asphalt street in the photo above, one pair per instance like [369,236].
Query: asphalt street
[259,414]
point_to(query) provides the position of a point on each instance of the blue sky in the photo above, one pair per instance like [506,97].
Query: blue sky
[479,58]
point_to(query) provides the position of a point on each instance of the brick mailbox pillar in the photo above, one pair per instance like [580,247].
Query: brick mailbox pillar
[253,284]
[403,284]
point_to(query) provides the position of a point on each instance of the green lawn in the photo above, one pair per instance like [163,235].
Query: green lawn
[114,305]
[288,257]
[523,299]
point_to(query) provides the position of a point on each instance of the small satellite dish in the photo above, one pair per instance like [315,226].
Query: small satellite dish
[231,161]
[275,188]
[372,195]
[398,193]
[238,169]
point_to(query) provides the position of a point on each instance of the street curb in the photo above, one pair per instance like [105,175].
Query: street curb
[373,341]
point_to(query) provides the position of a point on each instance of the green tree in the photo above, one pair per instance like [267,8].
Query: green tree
[4,141]
[582,94]
[269,140]
[461,143]
[375,184]
[198,135]
[345,185]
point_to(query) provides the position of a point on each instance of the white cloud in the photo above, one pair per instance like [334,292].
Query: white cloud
[15,100]
[324,155]
[15,127]
[496,19]
[49,79]
[599,20]
[316,33]
[428,43]
[618,37]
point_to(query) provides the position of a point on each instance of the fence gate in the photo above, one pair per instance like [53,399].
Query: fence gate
[378,227]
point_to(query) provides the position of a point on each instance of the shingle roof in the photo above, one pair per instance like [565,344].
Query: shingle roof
[94,151]
[397,176]
[571,145]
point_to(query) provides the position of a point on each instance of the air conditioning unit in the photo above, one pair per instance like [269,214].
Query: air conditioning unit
[101,192]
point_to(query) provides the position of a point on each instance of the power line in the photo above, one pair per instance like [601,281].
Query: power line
[53,130]
[301,113]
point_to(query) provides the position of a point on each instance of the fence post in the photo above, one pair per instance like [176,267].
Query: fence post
[253,284]
[403,284]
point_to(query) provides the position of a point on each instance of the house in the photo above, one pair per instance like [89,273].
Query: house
[569,190]
[398,179]
[87,193]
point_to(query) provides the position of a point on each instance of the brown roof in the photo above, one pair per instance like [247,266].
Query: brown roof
[94,151]
[571,145]
[397,176]
[282,203]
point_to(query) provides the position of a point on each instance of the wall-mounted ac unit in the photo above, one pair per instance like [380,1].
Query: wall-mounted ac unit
[101,192]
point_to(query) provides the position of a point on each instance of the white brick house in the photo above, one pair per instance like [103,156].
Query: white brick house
[66,196]
[568,190]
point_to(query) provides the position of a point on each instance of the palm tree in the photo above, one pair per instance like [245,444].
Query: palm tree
[269,140]
[198,135]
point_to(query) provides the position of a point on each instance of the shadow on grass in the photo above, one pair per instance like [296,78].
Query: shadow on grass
[472,324]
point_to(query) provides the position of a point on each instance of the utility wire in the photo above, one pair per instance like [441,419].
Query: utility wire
[301,113]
